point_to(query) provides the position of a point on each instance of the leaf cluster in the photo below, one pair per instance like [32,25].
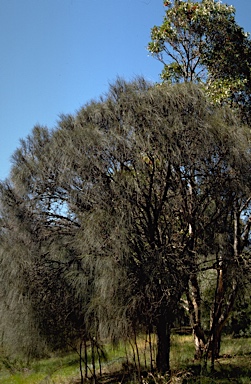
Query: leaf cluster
[201,42]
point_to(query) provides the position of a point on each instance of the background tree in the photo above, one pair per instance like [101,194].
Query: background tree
[201,42]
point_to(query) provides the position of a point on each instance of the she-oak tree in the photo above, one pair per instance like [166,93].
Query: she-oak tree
[124,199]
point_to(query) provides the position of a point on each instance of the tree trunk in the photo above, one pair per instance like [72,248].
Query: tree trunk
[94,377]
[80,362]
[151,350]
[199,342]
[163,345]
[194,306]
[86,359]
[215,346]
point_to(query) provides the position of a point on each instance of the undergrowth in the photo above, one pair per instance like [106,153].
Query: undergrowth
[234,365]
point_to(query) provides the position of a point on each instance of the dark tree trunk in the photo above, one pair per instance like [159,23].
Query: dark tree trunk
[199,341]
[212,349]
[94,377]
[215,346]
[86,359]
[163,345]
[80,363]
[151,350]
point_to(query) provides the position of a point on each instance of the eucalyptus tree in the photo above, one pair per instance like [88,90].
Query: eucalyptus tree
[201,42]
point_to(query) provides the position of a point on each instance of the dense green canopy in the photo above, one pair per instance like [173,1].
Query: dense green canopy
[200,41]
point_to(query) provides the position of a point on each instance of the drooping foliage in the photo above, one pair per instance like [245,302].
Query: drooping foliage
[106,218]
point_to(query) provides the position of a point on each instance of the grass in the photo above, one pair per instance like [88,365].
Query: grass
[182,351]
[55,370]
[234,366]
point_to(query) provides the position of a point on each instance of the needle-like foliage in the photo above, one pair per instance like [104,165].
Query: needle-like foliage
[118,204]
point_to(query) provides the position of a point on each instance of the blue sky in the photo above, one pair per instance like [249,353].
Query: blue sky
[58,54]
